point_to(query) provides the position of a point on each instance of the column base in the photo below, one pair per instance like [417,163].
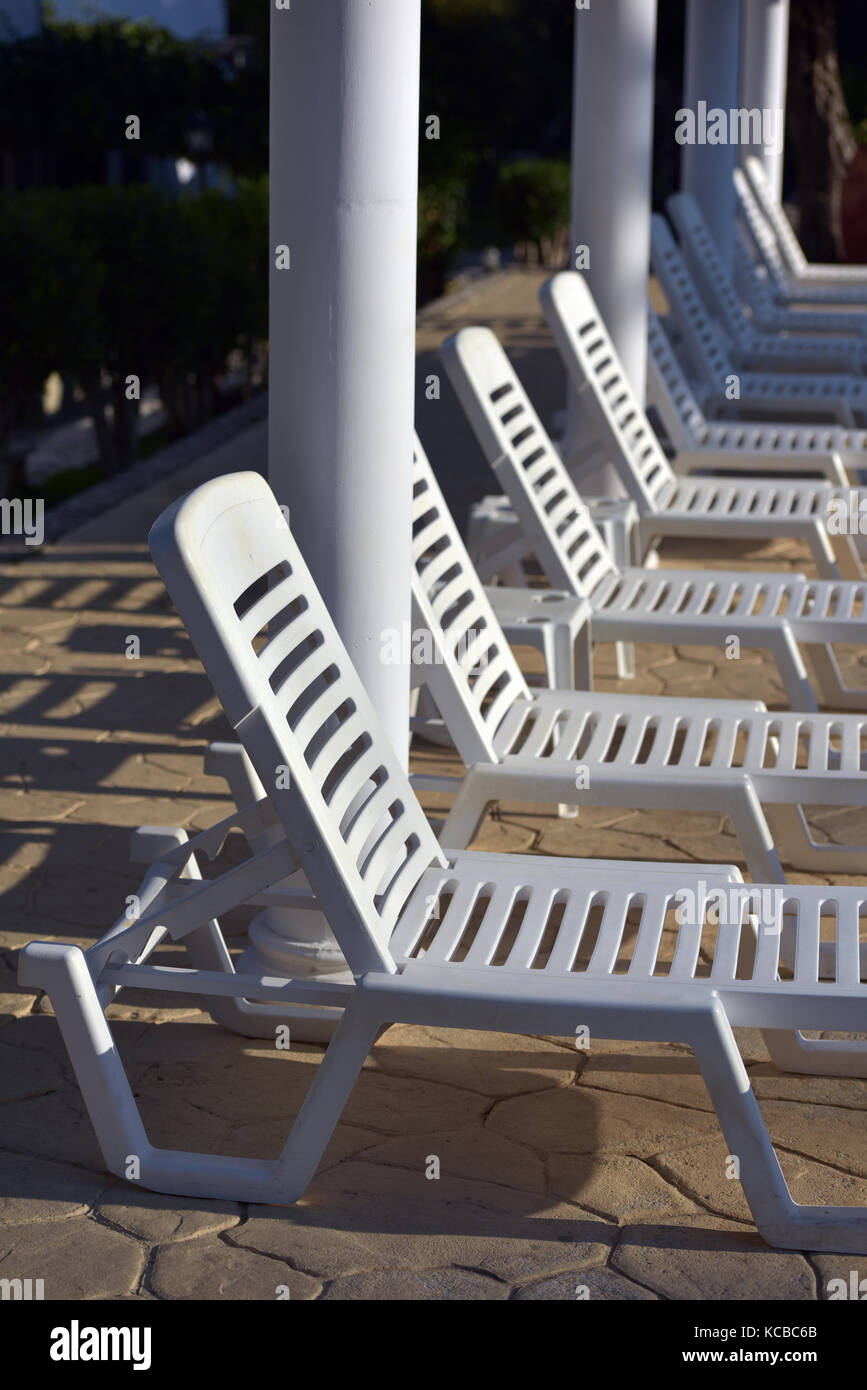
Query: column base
[278,948]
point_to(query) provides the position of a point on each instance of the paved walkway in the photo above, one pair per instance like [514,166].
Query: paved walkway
[562,1173]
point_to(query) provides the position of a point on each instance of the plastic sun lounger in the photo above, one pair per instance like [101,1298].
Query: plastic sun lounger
[756,289]
[785,290]
[832,280]
[639,751]
[402,907]
[746,509]
[751,348]
[774,612]
[796,394]
[733,446]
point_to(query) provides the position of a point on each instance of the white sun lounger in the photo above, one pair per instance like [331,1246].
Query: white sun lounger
[843,284]
[752,348]
[733,446]
[787,292]
[728,388]
[402,907]
[756,289]
[775,612]
[669,505]
[638,751]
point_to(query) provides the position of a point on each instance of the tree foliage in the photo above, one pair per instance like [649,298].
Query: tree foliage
[818,126]
[69,89]
[105,283]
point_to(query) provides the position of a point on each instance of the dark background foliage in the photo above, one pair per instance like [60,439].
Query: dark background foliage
[102,274]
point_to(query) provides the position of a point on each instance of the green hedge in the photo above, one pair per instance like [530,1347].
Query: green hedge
[532,200]
[129,281]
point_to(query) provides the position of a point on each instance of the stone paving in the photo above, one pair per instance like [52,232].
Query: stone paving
[563,1174]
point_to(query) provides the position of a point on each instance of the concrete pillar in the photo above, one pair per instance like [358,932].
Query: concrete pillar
[612,147]
[764,63]
[344,189]
[344,132]
[711,83]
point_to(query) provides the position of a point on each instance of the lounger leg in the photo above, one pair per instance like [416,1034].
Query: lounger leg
[753,832]
[63,972]
[513,577]
[835,693]
[563,656]
[798,848]
[845,560]
[465,816]
[355,1035]
[624,653]
[792,1052]
[788,1049]
[583,656]
[545,637]
[622,539]
[793,672]
[780,1221]
[285,1179]
[563,661]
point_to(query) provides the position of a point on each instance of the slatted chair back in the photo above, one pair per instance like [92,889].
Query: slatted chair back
[705,340]
[754,286]
[297,705]
[472,674]
[668,389]
[759,231]
[557,522]
[790,247]
[708,272]
[596,371]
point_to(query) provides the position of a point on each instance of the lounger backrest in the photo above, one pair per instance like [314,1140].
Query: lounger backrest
[759,230]
[704,339]
[776,218]
[472,674]
[668,389]
[556,521]
[597,374]
[752,285]
[704,261]
[297,705]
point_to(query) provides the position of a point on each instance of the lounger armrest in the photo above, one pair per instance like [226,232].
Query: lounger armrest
[827,465]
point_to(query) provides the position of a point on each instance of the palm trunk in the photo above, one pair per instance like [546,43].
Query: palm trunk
[820,132]
[101,427]
[125,423]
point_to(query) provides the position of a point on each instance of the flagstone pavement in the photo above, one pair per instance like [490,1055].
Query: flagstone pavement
[563,1174]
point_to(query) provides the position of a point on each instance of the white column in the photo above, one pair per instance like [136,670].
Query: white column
[711,84]
[612,146]
[764,63]
[344,188]
[344,132]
